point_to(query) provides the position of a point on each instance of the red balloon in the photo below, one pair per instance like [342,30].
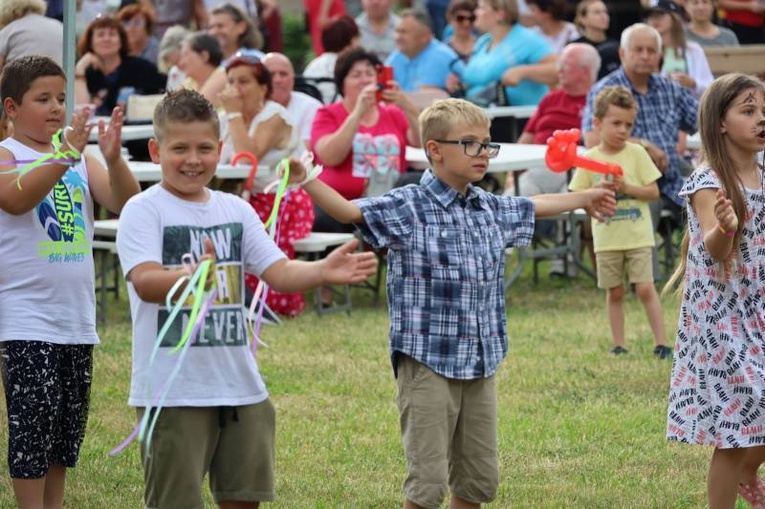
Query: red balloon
[562,155]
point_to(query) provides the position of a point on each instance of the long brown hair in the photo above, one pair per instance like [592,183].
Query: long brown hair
[715,103]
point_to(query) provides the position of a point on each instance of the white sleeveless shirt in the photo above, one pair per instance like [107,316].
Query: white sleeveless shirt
[47,280]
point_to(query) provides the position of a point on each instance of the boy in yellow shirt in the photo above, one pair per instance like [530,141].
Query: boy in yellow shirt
[623,245]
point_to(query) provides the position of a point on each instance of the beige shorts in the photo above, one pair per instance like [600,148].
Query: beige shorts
[449,430]
[234,444]
[636,264]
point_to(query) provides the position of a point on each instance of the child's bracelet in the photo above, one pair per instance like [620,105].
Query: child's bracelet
[73,152]
[726,232]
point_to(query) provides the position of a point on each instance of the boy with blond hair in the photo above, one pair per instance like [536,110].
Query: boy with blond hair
[446,241]
[623,246]
[47,275]
[217,416]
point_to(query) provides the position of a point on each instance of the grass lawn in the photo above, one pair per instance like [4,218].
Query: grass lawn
[577,426]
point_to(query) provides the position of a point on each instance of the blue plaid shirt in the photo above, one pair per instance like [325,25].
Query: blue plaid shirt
[446,266]
[666,109]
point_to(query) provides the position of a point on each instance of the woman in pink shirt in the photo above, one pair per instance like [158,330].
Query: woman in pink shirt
[361,140]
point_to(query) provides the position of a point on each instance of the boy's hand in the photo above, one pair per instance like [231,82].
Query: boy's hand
[110,137]
[231,100]
[344,266]
[208,255]
[297,171]
[724,212]
[76,134]
[602,203]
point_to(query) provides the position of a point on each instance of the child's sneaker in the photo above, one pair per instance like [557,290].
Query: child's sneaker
[662,352]
[618,350]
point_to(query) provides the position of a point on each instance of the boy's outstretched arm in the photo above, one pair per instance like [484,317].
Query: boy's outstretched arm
[648,192]
[599,202]
[342,266]
[330,201]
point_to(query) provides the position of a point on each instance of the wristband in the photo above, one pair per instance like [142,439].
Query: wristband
[233,115]
[311,171]
[725,232]
[73,152]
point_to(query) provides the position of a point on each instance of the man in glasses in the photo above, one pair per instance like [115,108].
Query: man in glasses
[420,61]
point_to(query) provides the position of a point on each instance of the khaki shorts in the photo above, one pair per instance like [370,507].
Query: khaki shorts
[449,430]
[234,444]
[613,265]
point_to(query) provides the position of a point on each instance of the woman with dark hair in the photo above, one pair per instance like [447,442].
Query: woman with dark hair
[550,19]
[360,140]
[702,29]
[460,15]
[200,61]
[592,20]
[138,22]
[337,35]
[252,122]
[105,71]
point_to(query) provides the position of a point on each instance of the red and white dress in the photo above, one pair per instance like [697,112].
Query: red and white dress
[717,389]
[296,214]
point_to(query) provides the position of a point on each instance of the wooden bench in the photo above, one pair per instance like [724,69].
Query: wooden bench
[312,247]
[749,59]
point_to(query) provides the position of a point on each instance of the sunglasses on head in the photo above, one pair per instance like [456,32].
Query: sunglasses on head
[462,18]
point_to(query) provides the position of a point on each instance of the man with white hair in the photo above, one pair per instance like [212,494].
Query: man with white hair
[420,61]
[301,108]
[559,109]
[664,109]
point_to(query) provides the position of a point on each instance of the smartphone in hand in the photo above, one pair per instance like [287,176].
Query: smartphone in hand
[384,75]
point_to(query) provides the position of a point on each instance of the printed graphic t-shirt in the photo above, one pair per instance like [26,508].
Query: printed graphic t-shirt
[630,227]
[47,280]
[218,369]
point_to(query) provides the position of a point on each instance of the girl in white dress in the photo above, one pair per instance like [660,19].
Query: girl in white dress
[717,389]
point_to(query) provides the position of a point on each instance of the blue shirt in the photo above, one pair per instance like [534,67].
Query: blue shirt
[446,266]
[520,46]
[429,68]
[666,109]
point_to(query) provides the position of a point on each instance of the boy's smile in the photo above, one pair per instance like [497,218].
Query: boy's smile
[189,155]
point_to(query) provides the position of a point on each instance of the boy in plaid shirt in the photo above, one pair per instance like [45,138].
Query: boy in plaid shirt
[446,243]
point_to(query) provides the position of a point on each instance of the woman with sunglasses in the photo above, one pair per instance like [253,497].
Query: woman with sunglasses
[253,123]
[138,23]
[461,15]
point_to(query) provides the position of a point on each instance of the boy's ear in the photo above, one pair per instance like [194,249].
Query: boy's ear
[433,150]
[9,106]
[154,150]
[596,124]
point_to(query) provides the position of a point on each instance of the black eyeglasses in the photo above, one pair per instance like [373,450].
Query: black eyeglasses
[461,19]
[473,148]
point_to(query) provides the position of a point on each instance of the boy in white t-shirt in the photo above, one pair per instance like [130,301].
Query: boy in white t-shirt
[47,281]
[217,416]
[623,245]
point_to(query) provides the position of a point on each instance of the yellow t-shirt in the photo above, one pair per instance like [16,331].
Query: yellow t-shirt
[630,227]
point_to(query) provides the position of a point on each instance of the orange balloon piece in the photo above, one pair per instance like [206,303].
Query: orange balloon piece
[253,171]
[562,155]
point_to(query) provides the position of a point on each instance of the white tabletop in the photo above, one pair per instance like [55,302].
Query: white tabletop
[150,172]
[512,156]
[510,111]
[106,227]
[129,132]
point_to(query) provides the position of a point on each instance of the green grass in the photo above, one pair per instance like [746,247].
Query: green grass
[577,427]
